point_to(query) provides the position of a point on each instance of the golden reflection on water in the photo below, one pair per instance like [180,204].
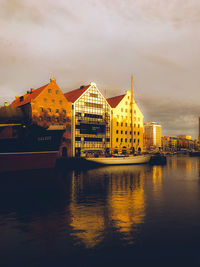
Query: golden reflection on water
[157,180]
[124,208]
[126,202]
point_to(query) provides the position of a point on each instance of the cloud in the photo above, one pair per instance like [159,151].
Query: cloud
[176,12]
[176,117]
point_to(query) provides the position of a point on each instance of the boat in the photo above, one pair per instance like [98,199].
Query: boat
[25,146]
[194,153]
[158,159]
[122,160]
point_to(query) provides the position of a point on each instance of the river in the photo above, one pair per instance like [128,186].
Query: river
[111,216]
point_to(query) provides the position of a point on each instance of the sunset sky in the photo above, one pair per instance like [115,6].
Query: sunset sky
[105,41]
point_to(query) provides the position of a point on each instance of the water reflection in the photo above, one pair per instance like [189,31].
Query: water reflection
[115,197]
[98,209]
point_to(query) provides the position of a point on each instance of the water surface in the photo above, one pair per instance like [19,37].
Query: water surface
[110,216]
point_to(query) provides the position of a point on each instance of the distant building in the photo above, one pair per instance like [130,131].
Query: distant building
[48,106]
[183,136]
[153,131]
[91,120]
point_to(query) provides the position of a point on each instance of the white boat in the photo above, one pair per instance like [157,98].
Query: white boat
[130,160]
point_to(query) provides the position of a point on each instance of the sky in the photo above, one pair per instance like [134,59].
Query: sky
[107,41]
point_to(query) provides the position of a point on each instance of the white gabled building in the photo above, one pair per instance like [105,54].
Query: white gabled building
[91,120]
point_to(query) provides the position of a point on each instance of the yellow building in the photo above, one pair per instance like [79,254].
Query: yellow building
[48,107]
[126,137]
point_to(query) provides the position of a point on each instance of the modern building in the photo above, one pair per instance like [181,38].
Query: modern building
[127,124]
[153,131]
[47,107]
[91,119]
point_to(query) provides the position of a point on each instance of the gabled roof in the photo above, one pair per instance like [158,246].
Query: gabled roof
[114,101]
[28,97]
[73,95]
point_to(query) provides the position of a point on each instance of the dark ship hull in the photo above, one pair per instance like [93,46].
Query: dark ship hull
[25,147]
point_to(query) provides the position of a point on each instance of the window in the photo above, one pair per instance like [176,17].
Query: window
[125,140]
[118,116]
[134,111]
[45,100]
[138,133]
[41,109]
[121,123]
[134,125]
[121,140]
[121,132]
[56,92]
[93,95]
[125,132]
[60,102]
[40,118]
[117,132]
[138,126]
[138,141]
[116,139]
[57,110]
[130,132]
[126,103]
[117,123]
[49,109]
[130,140]
[138,119]
[126,110]
[134,133]
[126,124]
[53,101]
[64,111]
[134,140]
[49,90]
[122,110]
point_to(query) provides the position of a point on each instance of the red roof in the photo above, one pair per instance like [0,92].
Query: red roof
[27,97]
[114,101]
[72,96]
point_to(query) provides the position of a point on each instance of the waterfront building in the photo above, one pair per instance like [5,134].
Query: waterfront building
[91,118]
[169,143]
[127,124]
[153,131]
[48,107]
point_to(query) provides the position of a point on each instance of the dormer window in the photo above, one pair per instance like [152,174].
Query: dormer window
[49,90]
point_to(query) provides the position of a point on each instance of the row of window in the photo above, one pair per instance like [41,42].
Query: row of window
[117,131]
[122,124]
[50,91]
[126,110]
[50,110]
[126,140]
[51,119]
[126,117]
[53,101]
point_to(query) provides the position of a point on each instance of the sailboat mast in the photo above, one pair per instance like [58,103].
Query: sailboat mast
[132,112]
[105,121]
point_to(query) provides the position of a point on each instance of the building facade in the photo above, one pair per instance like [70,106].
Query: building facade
[47,107]
[91,119]
[153,131]
[127,124]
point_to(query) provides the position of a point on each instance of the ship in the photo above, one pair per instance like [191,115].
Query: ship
[25,145]
[120,160]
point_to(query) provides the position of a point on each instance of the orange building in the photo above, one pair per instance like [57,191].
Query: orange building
[48,107]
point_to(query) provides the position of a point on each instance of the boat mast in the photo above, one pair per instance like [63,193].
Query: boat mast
[105,121]
[132,113]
